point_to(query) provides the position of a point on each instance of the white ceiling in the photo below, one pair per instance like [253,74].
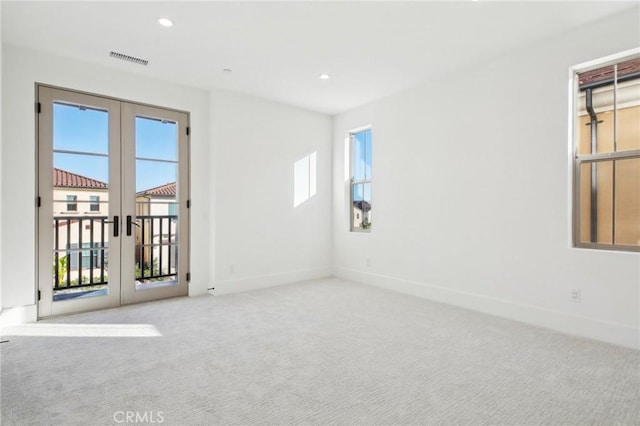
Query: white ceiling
[277,50]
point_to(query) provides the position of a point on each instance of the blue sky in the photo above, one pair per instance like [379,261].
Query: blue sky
[362,164]
[87,131]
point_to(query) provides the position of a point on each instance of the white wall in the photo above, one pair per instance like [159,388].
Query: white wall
[261,239]
[22,69]
[471,193]
[1,109]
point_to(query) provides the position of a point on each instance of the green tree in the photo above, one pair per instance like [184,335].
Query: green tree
[365,223]
[61,271]
[148,271]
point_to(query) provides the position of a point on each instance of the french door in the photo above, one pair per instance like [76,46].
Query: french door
[113,224]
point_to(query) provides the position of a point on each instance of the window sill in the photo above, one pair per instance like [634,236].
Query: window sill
[604,248]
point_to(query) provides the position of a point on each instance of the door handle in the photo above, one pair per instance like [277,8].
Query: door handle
[130,222]
[116,225]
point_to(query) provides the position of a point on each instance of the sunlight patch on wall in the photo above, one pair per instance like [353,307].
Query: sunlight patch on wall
[305,179]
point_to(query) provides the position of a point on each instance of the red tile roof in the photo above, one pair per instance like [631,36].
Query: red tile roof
[606,73]
[166,190]
[362,205]
[65,179]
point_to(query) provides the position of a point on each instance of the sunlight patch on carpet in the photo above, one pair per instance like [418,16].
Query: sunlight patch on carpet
[82,330]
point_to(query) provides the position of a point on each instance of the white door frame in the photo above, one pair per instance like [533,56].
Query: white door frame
[121,287]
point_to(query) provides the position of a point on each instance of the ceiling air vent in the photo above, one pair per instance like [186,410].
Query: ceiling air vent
[128,58]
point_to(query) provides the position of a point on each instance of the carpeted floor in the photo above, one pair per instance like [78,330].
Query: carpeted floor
[319,352]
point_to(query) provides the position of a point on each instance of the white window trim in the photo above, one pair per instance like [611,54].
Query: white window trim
[351,182]
[572,178]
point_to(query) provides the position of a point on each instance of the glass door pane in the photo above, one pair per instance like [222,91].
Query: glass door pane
[80,202]
[157,218]
[155,188]
[78,139]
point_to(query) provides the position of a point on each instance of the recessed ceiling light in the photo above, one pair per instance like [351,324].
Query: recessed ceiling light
[165,22]
[324,76]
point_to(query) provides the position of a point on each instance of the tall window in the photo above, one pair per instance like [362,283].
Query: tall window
[361,180]
[72,204]
[607,156]
[94,205]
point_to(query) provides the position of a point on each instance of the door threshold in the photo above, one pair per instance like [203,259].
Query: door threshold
[80,294]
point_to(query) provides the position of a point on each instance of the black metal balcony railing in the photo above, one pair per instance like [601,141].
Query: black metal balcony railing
[81,250]
[156,248]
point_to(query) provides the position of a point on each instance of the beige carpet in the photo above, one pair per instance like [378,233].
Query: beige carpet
[320,352]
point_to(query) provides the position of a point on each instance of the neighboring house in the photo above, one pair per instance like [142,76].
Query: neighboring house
[80,209]
[75,194]
[157,213]
[160,200]
[80,205]
[361,211]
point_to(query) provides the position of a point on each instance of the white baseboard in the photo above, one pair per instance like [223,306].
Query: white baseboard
[18,315]
[610,332]
[271,280]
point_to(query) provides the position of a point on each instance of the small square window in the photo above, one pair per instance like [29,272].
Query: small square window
[72,203]
[173,209]
[94,206]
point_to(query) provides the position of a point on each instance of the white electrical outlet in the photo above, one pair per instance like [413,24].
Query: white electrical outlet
[232,268]
[367,261]
[576,295]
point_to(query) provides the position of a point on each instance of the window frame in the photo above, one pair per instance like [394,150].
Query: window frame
[94,203]
[353,182]
[576,160]
[172,209]
[72,203]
